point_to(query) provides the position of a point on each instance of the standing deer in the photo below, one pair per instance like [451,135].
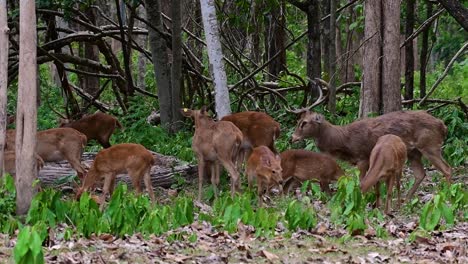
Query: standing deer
[302,165]
[258,129]
[57,144]
[386,163]
[98,126]
[214,143]
[422,134]
[134,159]
[264,166]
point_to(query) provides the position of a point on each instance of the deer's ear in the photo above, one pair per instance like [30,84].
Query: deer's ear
[63,121]
[203,110]
[318,118]
[265,161]
[186,112]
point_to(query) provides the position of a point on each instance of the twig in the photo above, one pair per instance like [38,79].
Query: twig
[452,61]
[422,27]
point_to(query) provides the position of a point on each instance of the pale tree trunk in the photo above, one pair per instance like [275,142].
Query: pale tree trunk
[176,72]
[160,60]
[91,51]
[3,77]
[215,56]
[26,115]
[391,92]
[370,90]
[332,59]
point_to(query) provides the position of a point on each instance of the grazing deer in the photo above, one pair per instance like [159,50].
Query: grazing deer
[265,166]
[57,144]
[258,129]
[302,165]
[214,143]
[134,159]
[98,126]
[386,163]
[422,134]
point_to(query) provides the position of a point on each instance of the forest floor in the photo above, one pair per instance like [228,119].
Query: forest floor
[202,243]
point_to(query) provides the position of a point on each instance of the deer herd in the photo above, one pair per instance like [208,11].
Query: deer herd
[378,146]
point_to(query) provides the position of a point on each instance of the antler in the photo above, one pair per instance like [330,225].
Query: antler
[319,100]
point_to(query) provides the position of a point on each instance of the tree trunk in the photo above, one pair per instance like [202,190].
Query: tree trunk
[91,83]
[332,59]
[176,72]
[370,91]
[3,77]
[391,92]
[126,55]
[424,56]
[215,56]
[275,37]
[457,11]
[409,56]
[26,115]
[159,53]
[326,41]
[314,56]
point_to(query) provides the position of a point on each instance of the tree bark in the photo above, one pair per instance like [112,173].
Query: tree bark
[26,115]
[409,56]
[160,60]
[370,92]
[91,52]
[3,78]
[176,71]
[391,92]
[457,11]
[424,51]
[314,54]
[275,39]
[332,59]
[126,56]
[215,56]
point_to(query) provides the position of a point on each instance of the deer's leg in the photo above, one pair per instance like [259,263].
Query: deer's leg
[435,157]
[260,191]
[390,182]
[418,171]
[75,161]
[215,177]
[325,186]
[135,177]
[112,185]
[231,168]
[149,185]
[201,174]
[363,166]
[377,194]
[398,186]
[105,190]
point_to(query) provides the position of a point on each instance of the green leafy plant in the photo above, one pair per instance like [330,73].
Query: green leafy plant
[28,248]
[348,204]
[298,215]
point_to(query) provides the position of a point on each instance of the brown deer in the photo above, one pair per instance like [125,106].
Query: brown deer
[264,166]
[134,159]
[386,162]
[422,133]
[258,129]
[10,162]
[302,165]
[98,126]
[57,144]
[214,143]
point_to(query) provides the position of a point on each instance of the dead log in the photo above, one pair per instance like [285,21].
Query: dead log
[54,174]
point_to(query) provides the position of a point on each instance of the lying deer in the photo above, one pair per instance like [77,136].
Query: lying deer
[57,144]
[422,134]
[98,126]
[302,165]
[214,143]
[264,166]
[10,162]
[134,159]
[258,129]
[386,163]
